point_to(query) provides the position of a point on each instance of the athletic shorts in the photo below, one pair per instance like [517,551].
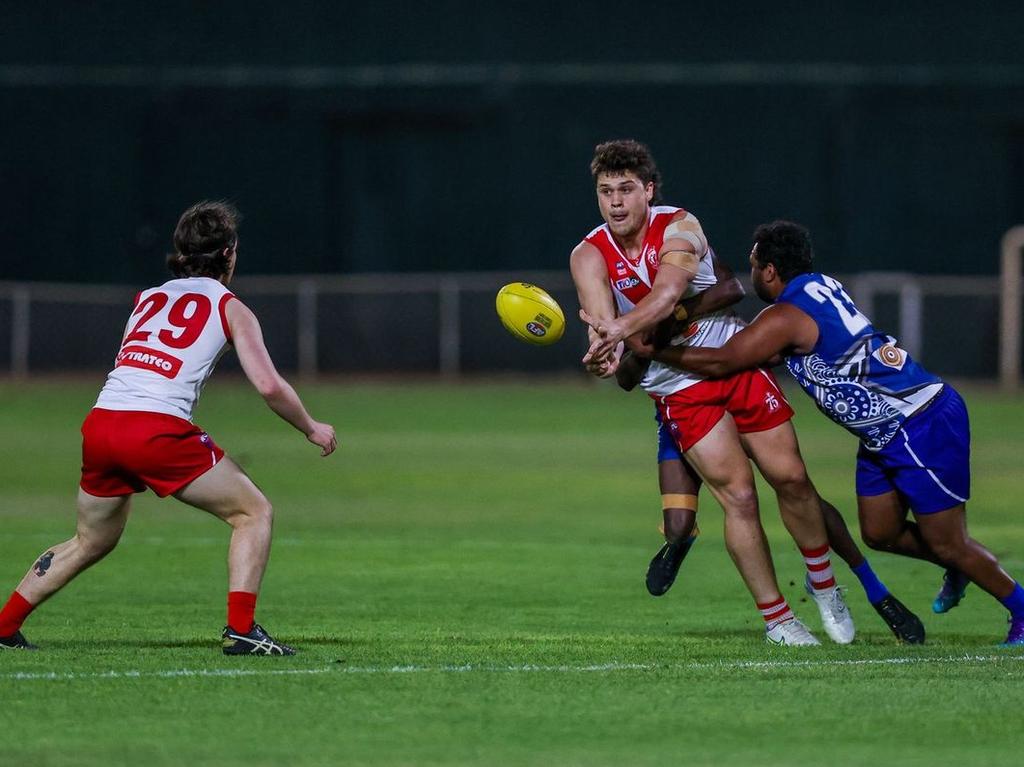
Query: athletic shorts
[928,462]
[668,450]
[753,399]
[126,451]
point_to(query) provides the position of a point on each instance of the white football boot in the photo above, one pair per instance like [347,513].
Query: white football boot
[835,615]
[792,633]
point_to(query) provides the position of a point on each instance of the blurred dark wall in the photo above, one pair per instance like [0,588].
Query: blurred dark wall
[394,136]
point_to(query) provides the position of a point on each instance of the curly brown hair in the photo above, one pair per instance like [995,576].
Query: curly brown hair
[622,155]
[203,235]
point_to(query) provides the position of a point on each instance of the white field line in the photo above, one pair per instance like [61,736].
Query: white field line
[514,669]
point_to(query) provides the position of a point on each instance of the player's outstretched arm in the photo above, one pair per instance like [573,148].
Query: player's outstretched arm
[775,331]
[595,295]
[668,286]
[725,293]
[679,257]
[279,395]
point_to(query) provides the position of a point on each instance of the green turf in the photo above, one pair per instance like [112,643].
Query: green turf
[465,581]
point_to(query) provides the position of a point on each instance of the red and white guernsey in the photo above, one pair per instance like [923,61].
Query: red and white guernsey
[631,280]
[173,339]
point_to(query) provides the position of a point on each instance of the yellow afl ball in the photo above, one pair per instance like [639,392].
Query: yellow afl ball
[530,314]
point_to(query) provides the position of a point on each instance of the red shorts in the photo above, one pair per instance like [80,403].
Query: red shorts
[126,451]
[753,399]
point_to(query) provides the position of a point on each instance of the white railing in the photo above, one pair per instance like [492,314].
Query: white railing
[307,291]
[447,328]
[1009,308]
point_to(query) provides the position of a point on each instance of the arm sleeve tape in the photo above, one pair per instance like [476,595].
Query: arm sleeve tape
[684,259]
[688,229]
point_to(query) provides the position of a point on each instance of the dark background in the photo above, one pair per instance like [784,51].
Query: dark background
[450,136]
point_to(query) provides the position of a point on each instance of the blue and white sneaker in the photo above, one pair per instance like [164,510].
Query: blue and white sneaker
[1015,636]
[954,584]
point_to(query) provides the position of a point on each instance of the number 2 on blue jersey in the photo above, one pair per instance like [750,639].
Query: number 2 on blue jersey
[853,320]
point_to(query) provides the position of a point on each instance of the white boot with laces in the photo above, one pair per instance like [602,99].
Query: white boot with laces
[835,615]
[791,633]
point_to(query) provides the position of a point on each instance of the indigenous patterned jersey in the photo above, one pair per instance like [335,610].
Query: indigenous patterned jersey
[631,280]
[857,376]
[173,339]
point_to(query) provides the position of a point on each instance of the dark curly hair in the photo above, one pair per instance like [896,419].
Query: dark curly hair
[785,245]
[622,155]
[201,237]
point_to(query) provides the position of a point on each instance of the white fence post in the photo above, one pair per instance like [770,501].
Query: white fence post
[307,336]
[1009,309]
[21,301]
[911,309]
[863,290]
[449,327]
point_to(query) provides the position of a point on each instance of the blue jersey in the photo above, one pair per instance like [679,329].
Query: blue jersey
[857,376]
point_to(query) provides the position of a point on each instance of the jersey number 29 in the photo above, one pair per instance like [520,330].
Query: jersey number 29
[188,314]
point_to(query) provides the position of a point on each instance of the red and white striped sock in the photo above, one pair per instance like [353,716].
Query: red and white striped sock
[775,612]
[819,568]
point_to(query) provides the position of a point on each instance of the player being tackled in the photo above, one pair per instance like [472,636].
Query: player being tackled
[680,485]
[913,462]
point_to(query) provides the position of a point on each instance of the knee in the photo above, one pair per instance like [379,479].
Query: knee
[741,502]
[792,482]
[260,512]
[950,551]
[878,538]
[93,548]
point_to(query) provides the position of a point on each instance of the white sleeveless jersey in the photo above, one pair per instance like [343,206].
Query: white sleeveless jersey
[172,341]
[632,280]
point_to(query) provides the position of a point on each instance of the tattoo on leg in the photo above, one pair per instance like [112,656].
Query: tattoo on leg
[44,563]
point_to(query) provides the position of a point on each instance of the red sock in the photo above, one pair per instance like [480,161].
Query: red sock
[14,614]
[241,610]
[819,567]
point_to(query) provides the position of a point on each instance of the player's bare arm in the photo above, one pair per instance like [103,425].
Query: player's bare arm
[725,293]
[279,395]
[778,330]
[679,256]
[595,296]
[728,291]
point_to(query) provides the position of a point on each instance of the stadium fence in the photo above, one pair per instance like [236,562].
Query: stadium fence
[445,324]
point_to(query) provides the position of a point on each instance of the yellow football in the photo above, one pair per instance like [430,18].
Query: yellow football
[530,314]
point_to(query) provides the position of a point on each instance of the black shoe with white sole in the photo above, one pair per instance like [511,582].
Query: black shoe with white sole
[256,642]
[16,641]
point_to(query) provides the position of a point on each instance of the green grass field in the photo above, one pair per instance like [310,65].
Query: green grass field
[464,579]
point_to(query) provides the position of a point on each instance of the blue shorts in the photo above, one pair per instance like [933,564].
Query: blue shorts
[928,462]
[667,448]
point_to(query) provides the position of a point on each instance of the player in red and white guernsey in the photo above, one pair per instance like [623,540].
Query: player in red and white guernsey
[140,434]
[630,274]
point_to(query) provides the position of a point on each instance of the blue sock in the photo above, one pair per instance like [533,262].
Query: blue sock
[874,588]
[1015,602]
